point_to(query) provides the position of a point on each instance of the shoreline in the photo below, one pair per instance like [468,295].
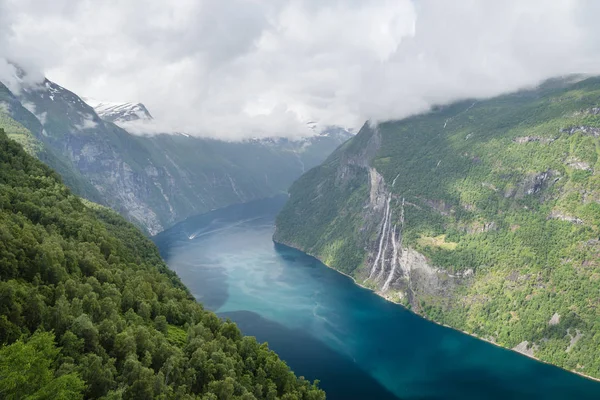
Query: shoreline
[430,320]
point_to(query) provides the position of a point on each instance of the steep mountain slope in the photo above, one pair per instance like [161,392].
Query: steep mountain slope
[12,110]
[76,275]
[482,215]
[158,180]
[107,156]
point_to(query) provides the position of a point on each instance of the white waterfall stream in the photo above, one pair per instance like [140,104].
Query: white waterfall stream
[395,253]
[384,222]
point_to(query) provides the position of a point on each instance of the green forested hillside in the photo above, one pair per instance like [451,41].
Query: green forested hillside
[89,309]
[502,198]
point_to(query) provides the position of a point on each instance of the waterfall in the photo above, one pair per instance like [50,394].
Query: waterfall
[385,248]
[396,246]
[394,261]
[382,235]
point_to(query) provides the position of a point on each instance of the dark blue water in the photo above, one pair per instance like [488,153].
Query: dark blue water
[357,344]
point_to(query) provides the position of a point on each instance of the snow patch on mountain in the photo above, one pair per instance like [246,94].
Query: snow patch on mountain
[137,120]
[120,113]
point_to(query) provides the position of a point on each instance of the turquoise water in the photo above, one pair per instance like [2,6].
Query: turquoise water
[358,345]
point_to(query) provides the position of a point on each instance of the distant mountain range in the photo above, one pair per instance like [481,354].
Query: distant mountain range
[153,180]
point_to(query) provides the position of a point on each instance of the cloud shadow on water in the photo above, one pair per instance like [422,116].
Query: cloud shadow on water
[340,376]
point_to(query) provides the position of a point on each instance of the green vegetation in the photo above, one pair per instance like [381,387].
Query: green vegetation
[27,371]
[89,309]
[513,184]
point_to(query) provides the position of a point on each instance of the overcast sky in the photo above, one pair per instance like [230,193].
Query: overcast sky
[237,68]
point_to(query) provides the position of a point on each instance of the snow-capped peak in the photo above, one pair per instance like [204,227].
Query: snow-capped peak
[330,130]
[120,113]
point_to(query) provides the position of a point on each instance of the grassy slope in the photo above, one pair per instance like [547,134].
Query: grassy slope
[468,159]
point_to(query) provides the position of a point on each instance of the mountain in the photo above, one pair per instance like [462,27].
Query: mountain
[481,215]
[89,309]
[155,180]
[23,126]
[120,113]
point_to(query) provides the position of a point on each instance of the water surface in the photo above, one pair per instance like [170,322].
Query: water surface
[357,344]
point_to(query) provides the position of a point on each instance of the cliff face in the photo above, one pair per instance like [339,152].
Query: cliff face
[480,215]
[392,267]
[386,264]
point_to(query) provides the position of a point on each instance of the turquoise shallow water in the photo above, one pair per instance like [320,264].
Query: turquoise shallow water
[326,327]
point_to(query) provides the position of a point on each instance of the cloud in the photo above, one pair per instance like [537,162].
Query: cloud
[7,71]
[243,68]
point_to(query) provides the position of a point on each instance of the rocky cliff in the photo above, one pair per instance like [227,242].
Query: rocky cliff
[389,266]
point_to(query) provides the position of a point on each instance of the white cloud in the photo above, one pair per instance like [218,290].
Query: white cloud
[87,122]
[31,107]
[241,68]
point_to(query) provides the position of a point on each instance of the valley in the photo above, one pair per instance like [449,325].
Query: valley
[299,200]
[153,179]
[456,214]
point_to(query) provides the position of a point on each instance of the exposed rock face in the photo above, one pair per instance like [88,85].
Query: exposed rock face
[529,139]
[580,165]
[481,227]
[577,164]
[594,111]
[573,338]
[524,348]
[559,215]
[377,192]
[396,270]
[532,184]
[392,268]
[586,130]
[555,320]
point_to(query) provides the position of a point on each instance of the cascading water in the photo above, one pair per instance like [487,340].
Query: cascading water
[397,245]
[384,222]
[388,236]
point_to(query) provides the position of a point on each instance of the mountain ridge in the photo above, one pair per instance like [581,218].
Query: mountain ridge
[481,215]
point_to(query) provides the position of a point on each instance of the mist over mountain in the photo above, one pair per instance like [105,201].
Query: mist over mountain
[290,62]
[111,155]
